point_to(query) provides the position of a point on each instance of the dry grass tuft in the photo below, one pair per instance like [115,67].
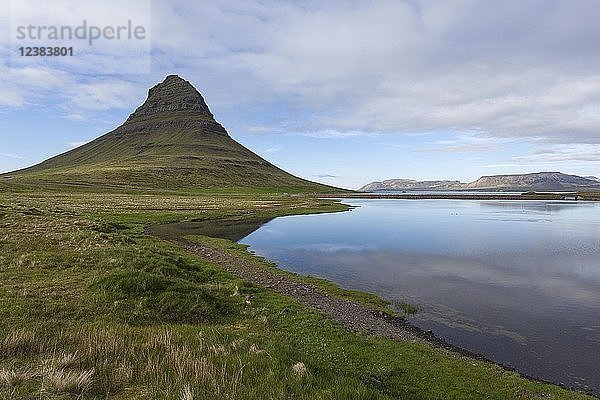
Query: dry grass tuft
[237,344]
[68,360]
[67,381]
[186,393]
[300,370]
[19,343]
[10,378]
[163,339]
[219,349]
[254,349]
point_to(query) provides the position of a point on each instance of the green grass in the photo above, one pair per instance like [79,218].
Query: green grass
[92,308]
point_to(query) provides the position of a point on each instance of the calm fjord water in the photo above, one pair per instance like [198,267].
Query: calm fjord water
[518,281]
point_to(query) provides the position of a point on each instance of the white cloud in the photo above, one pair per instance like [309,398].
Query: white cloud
[499,70]
[578,159]
[101,95]
[326,176]
[589,153]
[273,149]
[11,97]
[72,145]
[258,129]
[11,155]
[503,69]
[332,133]
[459,148]
[467,142]
[123,53]
[75,116]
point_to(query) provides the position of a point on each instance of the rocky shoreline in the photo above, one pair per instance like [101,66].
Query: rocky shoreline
[353,316]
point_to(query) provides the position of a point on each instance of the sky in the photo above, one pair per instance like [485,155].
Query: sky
[340,92]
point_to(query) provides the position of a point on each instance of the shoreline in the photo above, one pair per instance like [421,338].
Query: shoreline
[352,315]
[458,196]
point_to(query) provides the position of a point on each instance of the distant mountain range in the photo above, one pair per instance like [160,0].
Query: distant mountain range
[540,181]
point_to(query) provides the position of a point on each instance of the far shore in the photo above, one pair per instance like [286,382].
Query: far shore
[459,196]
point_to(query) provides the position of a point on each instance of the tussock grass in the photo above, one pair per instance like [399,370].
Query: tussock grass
[19,342]
[187,393]
[10,378]
[66,381]
[94,361]
[300,370]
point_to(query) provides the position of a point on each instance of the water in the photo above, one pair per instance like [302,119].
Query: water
[518,281]
[463,192]
[451,192]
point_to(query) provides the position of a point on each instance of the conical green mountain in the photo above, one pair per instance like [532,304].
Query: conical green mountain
[172,141]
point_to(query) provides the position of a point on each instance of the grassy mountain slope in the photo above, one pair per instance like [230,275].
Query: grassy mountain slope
[175,160]
[170,142]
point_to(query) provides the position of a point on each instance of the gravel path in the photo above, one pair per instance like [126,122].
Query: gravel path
[353,316]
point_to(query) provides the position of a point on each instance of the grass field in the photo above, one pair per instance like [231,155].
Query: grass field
[93,308]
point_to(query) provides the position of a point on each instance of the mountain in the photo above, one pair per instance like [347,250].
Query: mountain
[540,181]
[172,141]
[536,181]
[409,184]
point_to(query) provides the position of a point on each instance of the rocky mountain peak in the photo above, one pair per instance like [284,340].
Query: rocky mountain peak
[173,95]
[173,102]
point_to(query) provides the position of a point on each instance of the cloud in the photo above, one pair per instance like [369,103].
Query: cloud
[327,176]
[72,145]
[76,116]
[11,155]
[273,149]
[466,142]
[577,158]
[11,97]
[258,129]
[70,95]
[501,70]
[589,153]
[332,133]
[460,148]
[100,95]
